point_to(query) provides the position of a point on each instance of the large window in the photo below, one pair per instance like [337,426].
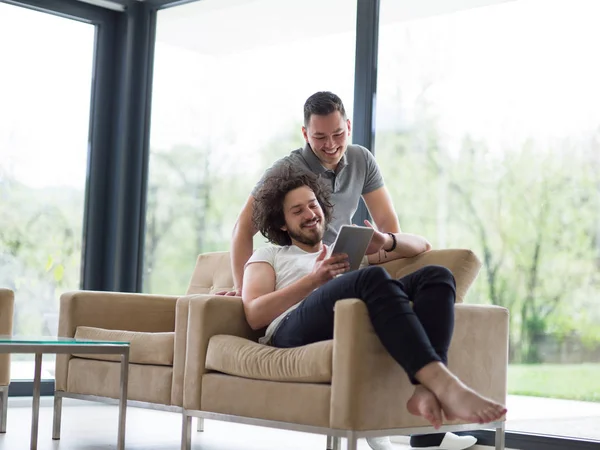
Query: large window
[44,117]
[230,81]
[488,134]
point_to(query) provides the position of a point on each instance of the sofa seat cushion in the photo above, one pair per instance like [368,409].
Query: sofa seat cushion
[147,383]
[241,357]
[145,348]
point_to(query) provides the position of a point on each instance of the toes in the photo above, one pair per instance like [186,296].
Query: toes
[487,416]
[449,417]
[491,413]
[475,418]
[495,412]
[437,416]
[430,417]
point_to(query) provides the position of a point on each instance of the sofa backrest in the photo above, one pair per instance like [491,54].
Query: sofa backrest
[213,270]
[212,274]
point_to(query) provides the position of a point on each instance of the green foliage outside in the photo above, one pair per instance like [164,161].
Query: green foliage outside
[529,210]
[567,381]
[530,213]
[194,197]
[40,250]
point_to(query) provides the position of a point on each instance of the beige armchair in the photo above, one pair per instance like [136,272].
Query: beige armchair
[157,349]
[347,387]
[7,305]
[155,326]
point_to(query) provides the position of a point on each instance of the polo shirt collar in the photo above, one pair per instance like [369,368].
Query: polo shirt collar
[315,163]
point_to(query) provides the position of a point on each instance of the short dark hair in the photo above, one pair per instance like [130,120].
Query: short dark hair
[268,215]
[322,103]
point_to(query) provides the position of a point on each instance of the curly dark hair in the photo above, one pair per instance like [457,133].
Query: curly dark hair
[322,104]
[268,216]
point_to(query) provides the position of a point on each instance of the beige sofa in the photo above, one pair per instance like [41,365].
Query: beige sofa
[7,304]
[347,387]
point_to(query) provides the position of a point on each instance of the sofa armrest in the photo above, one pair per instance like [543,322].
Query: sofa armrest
[7,306]
[463,264]
[479,350]
[369,389]
[111,310]
[209,315]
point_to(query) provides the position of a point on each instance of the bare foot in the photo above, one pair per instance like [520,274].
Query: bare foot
[460,401]
[449,417]
[424,403]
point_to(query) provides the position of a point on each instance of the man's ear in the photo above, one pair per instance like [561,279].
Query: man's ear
[284,228]
[349,127]
[305,133]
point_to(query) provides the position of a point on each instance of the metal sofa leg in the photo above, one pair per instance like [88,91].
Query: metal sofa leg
[186,431]
[333,443]
[500,437]
[200,424]
[4,411]
[57,416]
[337,443]
[330,440]
[352,442]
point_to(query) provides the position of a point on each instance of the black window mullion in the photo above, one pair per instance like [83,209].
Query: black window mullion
[365,83]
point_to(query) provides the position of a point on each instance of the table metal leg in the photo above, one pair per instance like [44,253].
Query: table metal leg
[57,416]
[35,410]
[123,398]
[4,412]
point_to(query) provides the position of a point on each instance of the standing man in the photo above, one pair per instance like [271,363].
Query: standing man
[352,173]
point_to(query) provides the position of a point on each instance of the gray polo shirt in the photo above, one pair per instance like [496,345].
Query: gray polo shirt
[356,174]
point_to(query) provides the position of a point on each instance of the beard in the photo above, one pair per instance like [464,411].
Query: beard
[311,236]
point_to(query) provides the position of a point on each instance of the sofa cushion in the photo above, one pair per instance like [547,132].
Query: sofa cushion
[145,348]
[244,358]
[103,378]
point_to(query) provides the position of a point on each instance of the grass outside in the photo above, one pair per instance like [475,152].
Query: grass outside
[568,381]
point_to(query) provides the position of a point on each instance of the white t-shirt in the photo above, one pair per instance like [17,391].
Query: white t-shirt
[290,263]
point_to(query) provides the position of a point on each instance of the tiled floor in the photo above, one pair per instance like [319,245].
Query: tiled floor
[92,426]
[526,414]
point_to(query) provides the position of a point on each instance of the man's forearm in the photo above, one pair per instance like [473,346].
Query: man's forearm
[408,245]
[261,311]
[241,251]
[241,244]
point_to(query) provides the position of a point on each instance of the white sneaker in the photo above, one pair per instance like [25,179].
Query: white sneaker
[380,443]
[452,441]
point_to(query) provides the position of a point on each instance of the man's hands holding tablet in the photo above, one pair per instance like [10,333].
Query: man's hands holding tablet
[353,241]
[328,267]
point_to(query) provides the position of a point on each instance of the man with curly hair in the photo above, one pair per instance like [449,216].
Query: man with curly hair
[291,289]
[351,173]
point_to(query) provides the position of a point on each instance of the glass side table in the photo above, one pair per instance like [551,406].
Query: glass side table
[57,345]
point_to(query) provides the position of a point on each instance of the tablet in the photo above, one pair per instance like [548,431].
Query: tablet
[353,241]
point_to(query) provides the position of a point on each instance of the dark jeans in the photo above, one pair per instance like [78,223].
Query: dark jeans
[413,335]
